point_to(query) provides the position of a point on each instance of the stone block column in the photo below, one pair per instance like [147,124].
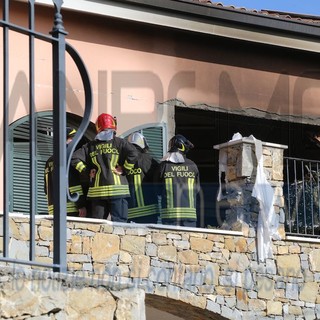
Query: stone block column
[238,167]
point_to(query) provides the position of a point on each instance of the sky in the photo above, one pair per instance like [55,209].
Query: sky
[310,7]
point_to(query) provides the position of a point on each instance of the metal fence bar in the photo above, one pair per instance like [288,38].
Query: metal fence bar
[61,155]
[311,183]
[59,142]
[32,134]
[296,189]
[303,196]
[6,149]
[288,191]
[318,192]
[60,259]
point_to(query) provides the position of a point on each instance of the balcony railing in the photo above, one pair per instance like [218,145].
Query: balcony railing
[302,196]
[62,155]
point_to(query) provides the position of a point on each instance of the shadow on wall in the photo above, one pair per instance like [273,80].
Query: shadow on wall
[159,308]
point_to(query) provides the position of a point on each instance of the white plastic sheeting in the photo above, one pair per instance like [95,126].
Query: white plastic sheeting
[267,220]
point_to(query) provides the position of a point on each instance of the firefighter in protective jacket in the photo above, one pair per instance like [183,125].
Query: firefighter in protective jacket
[77,208]
[143,203]
[178,178]
[106,160]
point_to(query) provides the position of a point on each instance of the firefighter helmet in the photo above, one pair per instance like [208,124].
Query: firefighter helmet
[180,143]
[106,121]
[138,139]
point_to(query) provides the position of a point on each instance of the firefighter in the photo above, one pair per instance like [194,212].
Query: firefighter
[75,209]
[105,160]
[143,203]
[178,179]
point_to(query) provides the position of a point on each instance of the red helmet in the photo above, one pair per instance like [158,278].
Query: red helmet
[106,121]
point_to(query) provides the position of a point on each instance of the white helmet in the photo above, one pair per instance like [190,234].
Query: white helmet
[138,139]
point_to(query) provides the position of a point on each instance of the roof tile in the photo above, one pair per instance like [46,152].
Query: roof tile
[303,18]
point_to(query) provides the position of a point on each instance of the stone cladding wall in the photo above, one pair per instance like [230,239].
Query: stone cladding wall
[213,270]
[44,295]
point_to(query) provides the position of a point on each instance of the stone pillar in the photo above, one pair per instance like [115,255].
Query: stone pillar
[238,163]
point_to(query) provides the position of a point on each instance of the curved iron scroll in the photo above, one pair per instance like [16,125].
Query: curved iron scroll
[87,112]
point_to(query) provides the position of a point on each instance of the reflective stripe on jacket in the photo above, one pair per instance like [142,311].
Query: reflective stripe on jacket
[143,201]
[179,185]
[74,187]
[98,159]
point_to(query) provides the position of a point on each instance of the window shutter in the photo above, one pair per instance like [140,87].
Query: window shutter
[155,139]
[20,183]
[20,186]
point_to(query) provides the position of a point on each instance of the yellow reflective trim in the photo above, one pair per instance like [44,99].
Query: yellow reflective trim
[108,191]
[138,190]
[191,193]
[47,182]
[76,189]
[143,211]
[114,160]
[73,131]
[98,173]
[71,207]
[178,213]
[50,209]
[80,166]
[169,192]
[183,148]
[128,165]
[113,163]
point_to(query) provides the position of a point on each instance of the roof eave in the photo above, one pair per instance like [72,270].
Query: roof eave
[207,19]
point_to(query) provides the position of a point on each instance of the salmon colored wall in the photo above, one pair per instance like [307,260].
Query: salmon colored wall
[132,68]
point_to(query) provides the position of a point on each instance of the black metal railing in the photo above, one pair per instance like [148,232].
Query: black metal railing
[302,196]
[56,38]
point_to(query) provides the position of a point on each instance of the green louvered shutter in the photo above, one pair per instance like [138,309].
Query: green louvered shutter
[20,188]
[155,139]
[20,182]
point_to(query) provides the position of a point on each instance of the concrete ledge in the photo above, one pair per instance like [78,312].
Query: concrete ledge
[248,140]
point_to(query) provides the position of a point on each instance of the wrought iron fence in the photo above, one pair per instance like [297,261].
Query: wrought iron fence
[56,38]
[302,196]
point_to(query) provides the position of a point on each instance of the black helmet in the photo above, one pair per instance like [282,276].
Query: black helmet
[70,132]
[180,143]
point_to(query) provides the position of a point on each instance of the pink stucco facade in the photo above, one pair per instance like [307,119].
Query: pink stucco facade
[134,67]
[139,72]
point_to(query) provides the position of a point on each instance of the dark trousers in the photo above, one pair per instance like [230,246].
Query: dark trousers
[145,219]
[180,222]
[117,207]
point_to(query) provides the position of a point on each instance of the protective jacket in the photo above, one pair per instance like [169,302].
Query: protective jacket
[98,159]
[74,187]
[179,184]
[143,201]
